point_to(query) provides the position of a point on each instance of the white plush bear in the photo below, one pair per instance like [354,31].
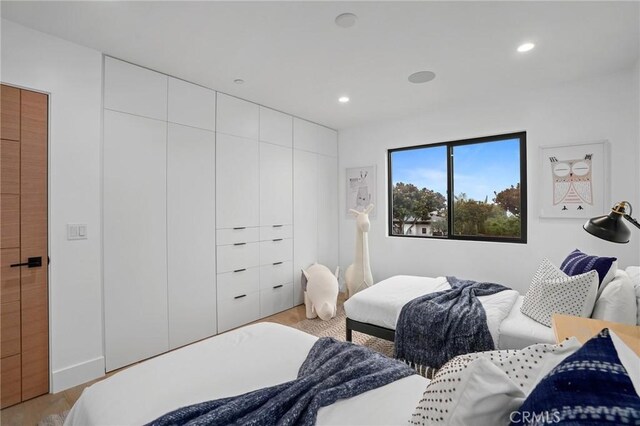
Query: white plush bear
[321,294]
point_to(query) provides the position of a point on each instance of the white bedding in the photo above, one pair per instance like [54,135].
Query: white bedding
[233,363]
[518,331]
[381,304]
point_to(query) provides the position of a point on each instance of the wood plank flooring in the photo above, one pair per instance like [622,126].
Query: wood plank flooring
[32,411]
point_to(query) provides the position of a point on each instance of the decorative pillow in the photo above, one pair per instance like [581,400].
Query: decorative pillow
[591,386]
[617,302]
[484,388]
[634,275]
[578,263]
[552,291]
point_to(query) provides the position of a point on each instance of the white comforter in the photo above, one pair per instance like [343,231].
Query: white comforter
[381,305]
[233,363]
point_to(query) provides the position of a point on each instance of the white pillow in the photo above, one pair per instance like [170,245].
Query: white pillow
[634,275]
[484,388]
[617,302]
[552,291]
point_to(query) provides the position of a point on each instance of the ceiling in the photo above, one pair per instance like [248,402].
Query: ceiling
[294,58]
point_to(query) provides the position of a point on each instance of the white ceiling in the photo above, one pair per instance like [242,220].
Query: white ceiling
[294,58]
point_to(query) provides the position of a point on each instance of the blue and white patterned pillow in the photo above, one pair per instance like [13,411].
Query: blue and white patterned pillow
[578,263]
[590,387]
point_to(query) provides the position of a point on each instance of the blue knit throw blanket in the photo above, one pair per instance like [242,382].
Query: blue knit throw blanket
[436,327]
[333,370]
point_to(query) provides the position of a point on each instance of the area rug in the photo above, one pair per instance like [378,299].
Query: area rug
[336,327]
[54,419]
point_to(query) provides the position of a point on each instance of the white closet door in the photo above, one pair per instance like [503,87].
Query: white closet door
[191,105]
[276,127]
[305,215]
[328,211]
[313,137]
[191,234]
[237,182]
[133,89]
[237,117]
[276,190]
[135,238]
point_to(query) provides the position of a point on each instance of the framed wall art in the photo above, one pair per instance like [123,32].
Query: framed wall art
[574,180]
[361,189]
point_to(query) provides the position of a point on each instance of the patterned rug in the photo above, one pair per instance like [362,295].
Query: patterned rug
[54,419]
[336,328]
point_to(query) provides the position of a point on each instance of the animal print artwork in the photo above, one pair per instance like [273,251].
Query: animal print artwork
[572,182]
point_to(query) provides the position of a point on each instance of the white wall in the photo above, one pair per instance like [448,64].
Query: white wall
[584,111]
[72,75]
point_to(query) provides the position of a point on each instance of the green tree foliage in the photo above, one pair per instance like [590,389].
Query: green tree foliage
[470,217]
[509,199]
[481,218]
[411,205]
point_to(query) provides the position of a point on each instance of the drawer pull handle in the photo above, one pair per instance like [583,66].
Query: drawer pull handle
[240,270]
[278,286]
[277,239]
[239,228]
[239,244]
[277,263]
[241,296]
[278,226]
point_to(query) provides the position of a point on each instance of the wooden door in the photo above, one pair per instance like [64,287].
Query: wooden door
[24,335]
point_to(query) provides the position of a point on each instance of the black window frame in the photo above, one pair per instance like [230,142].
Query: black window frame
[522,136]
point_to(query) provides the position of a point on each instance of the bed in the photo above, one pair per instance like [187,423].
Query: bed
[375,311]
[233,363]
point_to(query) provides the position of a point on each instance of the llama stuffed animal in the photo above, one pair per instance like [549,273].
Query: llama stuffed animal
[358,274]
[321,294]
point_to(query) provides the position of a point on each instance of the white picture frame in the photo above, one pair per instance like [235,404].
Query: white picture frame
[574,180]
[361,189]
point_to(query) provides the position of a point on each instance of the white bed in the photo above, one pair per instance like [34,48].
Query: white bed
[380,305]
[230,364]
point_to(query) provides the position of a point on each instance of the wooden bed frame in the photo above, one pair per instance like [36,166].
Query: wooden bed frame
[370,329]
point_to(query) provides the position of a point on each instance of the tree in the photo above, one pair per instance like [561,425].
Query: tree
[509,199]
[411,205]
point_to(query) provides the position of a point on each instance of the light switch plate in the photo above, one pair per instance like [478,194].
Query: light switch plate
[76,231]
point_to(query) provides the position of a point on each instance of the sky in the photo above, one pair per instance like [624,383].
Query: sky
[479,169]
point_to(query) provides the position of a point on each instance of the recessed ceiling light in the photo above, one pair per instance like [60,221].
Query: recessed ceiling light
[238,81]
[526,47]
[346,20]
[343,99]
[422,77]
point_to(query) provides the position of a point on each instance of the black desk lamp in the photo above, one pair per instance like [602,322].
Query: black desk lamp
[610,227]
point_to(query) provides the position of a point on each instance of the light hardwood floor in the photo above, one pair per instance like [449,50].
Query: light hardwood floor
[32,411]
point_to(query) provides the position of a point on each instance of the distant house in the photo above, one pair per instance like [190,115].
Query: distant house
[420,227]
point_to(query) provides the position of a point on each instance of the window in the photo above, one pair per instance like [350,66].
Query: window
[472,189]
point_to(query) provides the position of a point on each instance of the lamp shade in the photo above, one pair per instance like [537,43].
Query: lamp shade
[608,227]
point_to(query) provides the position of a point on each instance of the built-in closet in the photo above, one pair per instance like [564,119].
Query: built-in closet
[206,226]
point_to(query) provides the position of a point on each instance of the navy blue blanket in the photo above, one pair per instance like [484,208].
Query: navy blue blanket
[436,327]
[333,370]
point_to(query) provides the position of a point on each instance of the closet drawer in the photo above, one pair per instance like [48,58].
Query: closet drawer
[276,274]
[237,256]
[234,312]
[237,235]
[277,250]
[236,283]
[276,299]
[275,232]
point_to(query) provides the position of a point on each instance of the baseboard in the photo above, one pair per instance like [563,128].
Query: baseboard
[78,374]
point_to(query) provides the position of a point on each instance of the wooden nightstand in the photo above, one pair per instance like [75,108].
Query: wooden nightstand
[565,326]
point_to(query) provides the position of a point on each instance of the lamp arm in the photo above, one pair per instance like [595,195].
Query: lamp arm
[632,220]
